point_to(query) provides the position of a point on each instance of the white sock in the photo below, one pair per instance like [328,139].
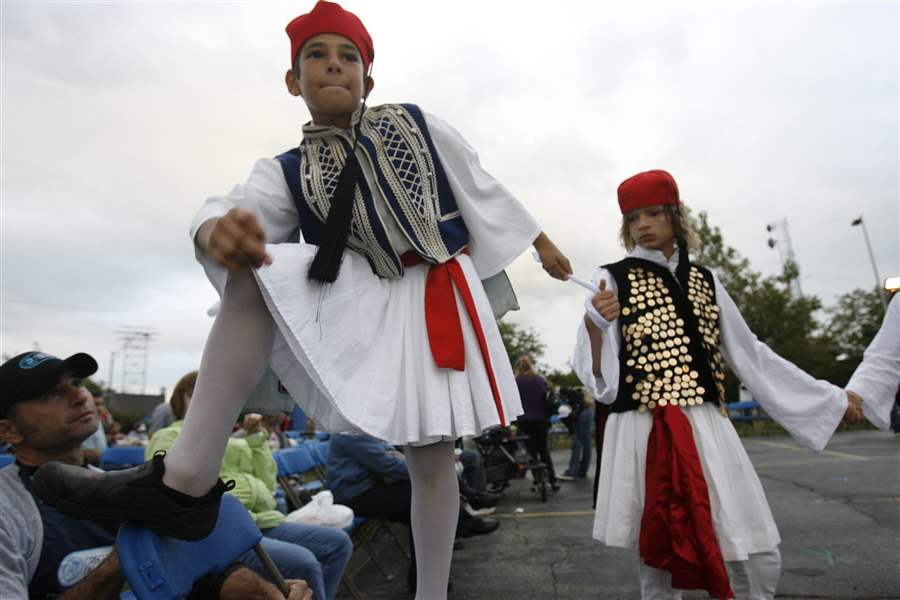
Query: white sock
[757,577]
[435,511]
[656,584]
[234,360]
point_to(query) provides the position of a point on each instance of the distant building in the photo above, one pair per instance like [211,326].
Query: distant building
[134,403]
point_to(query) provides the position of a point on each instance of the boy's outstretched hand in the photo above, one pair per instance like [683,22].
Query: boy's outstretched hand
[854,412]
[606,303]
[235,241]
[552,260]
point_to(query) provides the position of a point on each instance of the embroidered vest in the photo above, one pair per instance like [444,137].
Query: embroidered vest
[398,158]
[670,339]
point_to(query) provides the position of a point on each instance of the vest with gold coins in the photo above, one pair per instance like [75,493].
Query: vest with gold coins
[670,336]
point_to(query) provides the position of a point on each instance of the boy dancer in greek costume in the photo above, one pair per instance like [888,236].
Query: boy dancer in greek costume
[395,338]
[675,480]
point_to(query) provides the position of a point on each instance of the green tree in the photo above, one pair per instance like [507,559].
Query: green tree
[519,341]
[563,378]
[853,322]
[785,322]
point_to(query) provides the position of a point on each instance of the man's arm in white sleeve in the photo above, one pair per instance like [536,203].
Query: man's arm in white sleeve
[266,195]
[877,378]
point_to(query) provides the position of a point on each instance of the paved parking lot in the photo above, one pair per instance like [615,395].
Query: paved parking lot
[838,512]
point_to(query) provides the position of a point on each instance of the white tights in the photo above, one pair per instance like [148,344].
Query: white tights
[234,360]
[435,510]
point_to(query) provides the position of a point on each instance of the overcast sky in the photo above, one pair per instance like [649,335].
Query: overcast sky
[120,118]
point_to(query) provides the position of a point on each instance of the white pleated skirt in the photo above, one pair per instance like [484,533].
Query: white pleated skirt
[355,354]
[741,516]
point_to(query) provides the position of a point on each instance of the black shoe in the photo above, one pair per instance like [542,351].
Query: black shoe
[481,527]
[483,500]
[411,577]
[136,495]
[555,486]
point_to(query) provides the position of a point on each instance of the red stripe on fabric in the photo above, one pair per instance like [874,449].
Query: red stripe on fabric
[459,278]
[442,320]
[676,526]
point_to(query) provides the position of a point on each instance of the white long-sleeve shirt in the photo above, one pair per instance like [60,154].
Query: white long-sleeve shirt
[877,377]
[809,409]
[499,226]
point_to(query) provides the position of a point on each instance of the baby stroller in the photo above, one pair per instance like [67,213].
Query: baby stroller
[505,459]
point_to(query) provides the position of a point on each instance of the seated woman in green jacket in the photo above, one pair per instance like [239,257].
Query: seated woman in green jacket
[315,554]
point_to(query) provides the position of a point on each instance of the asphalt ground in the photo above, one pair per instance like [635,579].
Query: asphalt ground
[838,512]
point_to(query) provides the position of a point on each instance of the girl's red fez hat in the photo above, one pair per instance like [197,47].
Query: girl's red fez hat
[649,188]
[329,17]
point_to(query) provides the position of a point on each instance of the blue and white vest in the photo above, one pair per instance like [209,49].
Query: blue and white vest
[398,156]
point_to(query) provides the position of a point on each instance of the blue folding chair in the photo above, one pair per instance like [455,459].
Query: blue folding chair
[161,568]
[122,457]
[296,461]
[7,459]
[319,451]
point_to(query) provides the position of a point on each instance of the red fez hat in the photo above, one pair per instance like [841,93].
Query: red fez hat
[649,188]
[329,17]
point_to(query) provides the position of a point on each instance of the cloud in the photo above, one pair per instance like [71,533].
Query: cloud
[120,118]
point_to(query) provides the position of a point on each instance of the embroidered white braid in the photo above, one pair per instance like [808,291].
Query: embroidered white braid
[403,157]
[321,162]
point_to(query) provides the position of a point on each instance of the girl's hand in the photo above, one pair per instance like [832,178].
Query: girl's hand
[606,303]
[552,260]
[235,241]
[854,412]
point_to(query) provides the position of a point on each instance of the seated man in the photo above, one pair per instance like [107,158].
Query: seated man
[371,477]
[473,482]
[45,416]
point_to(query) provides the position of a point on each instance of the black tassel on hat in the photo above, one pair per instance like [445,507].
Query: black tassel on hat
[327,262]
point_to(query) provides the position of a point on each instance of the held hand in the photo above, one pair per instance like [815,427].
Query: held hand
[300,590]
[237,241]
[606,303]
[552,260]
[854,412]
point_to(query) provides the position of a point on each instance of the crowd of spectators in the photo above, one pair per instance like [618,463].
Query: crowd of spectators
[55,417]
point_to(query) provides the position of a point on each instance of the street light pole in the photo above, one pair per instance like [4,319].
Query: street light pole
[859,221]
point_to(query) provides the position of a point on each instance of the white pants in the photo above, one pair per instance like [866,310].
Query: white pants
[752,579]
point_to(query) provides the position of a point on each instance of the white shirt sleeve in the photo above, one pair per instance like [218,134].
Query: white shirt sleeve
[877,377]
[267,196]
[809,409]
[606,387]
[500,228]
[21,535]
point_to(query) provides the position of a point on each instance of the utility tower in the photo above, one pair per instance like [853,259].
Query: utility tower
[780,238]
[134,354]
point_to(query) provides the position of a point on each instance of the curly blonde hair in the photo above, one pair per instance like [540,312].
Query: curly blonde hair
[682,224]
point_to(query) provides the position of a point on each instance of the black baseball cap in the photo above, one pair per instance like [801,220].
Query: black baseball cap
[32,374]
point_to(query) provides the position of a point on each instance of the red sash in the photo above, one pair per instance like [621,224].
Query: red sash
[676,527]
[445,335]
